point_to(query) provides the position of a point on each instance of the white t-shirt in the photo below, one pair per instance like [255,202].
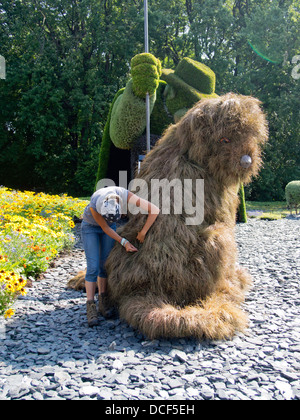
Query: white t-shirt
[101,194]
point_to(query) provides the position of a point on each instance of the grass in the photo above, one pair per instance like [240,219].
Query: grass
[273,210]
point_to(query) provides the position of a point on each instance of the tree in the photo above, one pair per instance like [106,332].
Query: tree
[272,33]
[67,59]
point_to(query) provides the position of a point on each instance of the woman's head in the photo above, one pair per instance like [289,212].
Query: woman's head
[110,208]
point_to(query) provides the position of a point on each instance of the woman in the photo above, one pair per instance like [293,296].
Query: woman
[99,234]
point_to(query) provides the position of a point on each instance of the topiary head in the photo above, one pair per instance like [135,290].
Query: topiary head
[190,82]
[225,136]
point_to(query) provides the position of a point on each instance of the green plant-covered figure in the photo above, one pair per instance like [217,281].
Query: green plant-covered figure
[292,194]
[172,94]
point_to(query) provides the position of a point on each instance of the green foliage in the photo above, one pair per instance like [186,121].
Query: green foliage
[269,209]
[106,143]
[292,193]
[146,58]
[124,129]
[242,213]
[197,75]
[65,61]
[145,72]
[180,94]
[159,118]
[270,216]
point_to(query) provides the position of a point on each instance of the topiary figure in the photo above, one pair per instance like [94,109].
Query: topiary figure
[292,194]
[184,280]
[172,94]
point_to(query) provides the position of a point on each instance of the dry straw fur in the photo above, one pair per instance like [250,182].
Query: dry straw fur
[184,280]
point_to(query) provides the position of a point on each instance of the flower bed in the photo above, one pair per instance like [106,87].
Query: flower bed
[34,228]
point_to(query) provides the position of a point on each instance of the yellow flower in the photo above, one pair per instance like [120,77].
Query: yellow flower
[18,219]
[9,313]
[9,287]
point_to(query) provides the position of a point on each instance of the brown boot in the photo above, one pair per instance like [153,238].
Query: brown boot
[104,307]
[92,315]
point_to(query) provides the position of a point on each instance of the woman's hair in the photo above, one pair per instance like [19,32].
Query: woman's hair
[110,208]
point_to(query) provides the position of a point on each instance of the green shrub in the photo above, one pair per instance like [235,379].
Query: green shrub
[159,118]
[145,71]
[128,120]
[292,194]
[106,142]
[184,96]
[197,74]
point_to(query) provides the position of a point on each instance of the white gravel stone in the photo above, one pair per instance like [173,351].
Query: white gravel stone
[47,350]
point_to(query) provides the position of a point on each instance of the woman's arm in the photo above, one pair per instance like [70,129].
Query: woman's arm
[153,212]
[109,231]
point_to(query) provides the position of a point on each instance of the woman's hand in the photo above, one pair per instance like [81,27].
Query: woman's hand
[130,248]
[152,210]
[141,237]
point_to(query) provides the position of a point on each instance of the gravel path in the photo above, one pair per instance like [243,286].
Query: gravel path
[48,352]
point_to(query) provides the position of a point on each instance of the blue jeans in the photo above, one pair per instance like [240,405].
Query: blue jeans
[97,246]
